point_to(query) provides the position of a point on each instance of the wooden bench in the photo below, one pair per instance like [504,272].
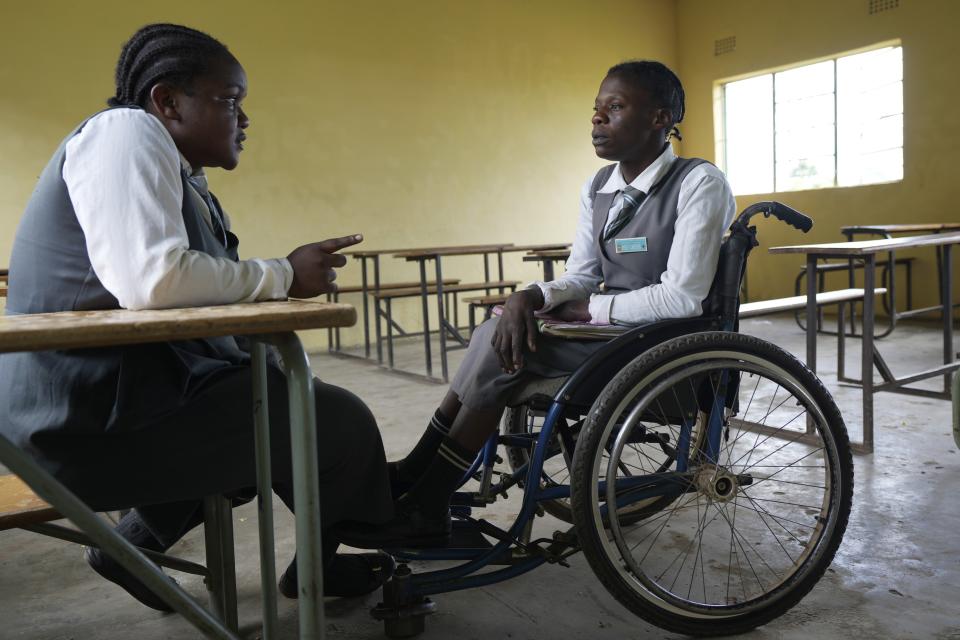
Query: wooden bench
[848,266]
[333,334]
[21,508]
[487,303]
[389,296]
[779,305]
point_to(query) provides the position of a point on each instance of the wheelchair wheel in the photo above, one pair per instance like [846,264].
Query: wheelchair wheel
[749,522]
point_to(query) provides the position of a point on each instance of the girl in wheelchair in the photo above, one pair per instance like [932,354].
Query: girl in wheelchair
[649,231]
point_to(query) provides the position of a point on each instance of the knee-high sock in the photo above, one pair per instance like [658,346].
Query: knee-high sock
[442,477]
[411,468]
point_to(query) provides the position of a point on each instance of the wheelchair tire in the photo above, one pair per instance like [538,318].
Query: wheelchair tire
[746,536]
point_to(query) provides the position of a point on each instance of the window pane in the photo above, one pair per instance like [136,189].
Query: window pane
[870,117]
[748,143]
[805,173]
[805,127]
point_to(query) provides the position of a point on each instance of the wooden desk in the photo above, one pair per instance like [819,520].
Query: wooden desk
[421,256]
[548,257]
[867,252]
[373,255]
[267,322]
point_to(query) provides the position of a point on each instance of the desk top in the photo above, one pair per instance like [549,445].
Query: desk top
[555,246]
[428,251]
[902,228]
[547,254]
[867,247]
[463,250]
[82,329]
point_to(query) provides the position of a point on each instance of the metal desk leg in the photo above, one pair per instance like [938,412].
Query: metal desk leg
[261,422]
[548,269]
[811,323]
[221,563]
[71,507]
[441,323]
[366,307]
[946,281]
[306,488]
[376,306]
[426,315]
[867,360]
[812,312]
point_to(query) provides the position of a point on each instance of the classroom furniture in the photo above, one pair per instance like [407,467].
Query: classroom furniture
[867,251]
[445,328]
[548,257]
[265,323]
[21,508]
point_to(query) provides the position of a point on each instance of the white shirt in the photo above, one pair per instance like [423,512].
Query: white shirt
[123,175]
[705,210]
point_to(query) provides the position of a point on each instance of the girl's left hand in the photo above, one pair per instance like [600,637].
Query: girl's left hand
[573,311]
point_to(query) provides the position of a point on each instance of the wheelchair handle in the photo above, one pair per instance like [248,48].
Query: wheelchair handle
[780,211]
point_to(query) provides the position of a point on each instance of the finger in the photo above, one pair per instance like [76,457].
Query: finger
[331,275]
[532,332]
[332,259]
[516,353]
[503,353]
[335,244]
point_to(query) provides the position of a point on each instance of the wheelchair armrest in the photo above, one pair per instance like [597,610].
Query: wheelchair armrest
[585,384]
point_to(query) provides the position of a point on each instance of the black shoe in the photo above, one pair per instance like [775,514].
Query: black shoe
[409,528]
[346,575]
[399,483]
[110,569]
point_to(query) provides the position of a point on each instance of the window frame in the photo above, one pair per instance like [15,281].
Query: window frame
[720,119]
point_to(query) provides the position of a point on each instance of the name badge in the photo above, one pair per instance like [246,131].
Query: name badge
[630,245]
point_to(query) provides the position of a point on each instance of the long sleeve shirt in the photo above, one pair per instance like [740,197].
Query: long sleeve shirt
[123,174]
[705,210]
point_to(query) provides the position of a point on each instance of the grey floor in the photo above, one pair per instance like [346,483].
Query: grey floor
[897,574]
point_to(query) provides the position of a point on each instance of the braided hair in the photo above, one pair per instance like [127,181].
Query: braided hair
[162,52]
[660,82]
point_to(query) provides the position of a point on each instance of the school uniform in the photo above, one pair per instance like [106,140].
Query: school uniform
[116,221]
[658,266]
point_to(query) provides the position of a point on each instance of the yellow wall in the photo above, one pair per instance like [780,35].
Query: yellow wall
[776,32]
[415,123]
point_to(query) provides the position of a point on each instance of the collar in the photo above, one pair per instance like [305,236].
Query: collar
[647,178]
[190,172]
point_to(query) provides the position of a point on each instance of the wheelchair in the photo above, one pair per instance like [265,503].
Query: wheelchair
[706,474]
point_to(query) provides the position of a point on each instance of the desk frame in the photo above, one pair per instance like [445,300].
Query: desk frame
[870,356]
[305,470]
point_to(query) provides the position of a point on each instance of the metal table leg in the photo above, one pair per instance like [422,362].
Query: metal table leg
[867,359]
[946,296]
[261,422]
[441,323]
[424,300]
[306,489]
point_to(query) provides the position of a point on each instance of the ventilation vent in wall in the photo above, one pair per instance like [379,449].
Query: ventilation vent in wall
[724,45]
[876,6]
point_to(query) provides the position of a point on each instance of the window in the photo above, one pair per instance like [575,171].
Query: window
[836,123]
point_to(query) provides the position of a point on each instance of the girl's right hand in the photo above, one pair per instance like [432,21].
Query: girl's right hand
[314,266]
[516,326]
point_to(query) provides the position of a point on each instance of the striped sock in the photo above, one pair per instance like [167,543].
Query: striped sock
[412,467]
[442,477]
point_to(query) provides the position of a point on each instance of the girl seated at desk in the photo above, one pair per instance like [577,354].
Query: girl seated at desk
[121,217]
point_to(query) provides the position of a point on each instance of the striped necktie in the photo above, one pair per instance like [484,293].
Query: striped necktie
[632,199]
[199,183]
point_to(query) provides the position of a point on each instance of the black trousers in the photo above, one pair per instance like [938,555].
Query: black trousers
[206,447]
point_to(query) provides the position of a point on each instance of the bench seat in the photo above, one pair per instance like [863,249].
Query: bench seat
[793,303]
[456,288]
[20,506]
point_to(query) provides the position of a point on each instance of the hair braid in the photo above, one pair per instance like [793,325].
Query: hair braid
[661,83]
[162,52]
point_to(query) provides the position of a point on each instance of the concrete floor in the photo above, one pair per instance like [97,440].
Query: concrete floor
[897,574]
